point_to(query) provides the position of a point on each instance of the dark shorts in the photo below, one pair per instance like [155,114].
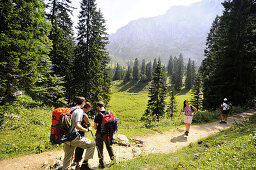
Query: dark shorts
[225,112]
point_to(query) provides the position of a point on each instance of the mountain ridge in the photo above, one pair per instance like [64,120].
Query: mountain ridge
[182,29]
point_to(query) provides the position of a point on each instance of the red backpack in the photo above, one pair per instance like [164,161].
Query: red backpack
[108,126]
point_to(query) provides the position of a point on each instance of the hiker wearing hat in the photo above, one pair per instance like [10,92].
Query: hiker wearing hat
[225,110]
[189,112]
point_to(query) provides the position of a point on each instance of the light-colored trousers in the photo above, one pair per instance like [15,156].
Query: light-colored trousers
[69,148]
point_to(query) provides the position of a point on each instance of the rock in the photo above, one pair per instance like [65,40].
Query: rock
[18,93]
[13,116]
[122,140]
[136,152]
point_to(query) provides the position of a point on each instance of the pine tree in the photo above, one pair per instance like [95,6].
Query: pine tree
[136,74]
[118,73]
[157,94]
[91,74]
[178,73]
[188,81]
[149,71]
[170,66]
[128,75]
[172,107]
[233,75]
[154,65]
[197,95]
[62,54]
[143,71]
[24,44]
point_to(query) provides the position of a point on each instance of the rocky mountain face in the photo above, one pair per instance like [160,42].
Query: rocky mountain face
[182,29]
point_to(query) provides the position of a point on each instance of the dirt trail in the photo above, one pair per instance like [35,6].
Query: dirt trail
[166,142]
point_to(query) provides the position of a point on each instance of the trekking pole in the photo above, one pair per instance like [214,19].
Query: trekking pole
[96,146]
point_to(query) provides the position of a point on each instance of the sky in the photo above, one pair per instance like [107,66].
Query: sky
[119,13]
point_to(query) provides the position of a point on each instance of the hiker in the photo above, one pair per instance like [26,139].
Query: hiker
[190,111]
[99,138]
[85,123]
[78,141]
[226,106]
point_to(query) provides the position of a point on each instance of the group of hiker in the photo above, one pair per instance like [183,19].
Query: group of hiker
[79,126]
[190,111]
[105,124]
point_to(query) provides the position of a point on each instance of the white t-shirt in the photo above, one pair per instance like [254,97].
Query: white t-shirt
[226,106]
[77,116]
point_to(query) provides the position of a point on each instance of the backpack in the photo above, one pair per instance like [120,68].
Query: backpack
[108,126]
[61,123]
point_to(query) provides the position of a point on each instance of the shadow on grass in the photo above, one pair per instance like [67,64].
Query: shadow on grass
[133,86]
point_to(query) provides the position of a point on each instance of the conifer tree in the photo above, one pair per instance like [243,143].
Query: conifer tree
[143,71]
[178,73]
[118,73]
[197,95]
[91,73]
[128,75]
[154,65]
[24,45]
[136,73]
[170,66]
[149,71]
[157,94]
[62,53]
[172,106]
[188,81]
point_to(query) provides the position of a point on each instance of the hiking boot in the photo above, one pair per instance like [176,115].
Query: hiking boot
[221,121]
[224,122]
[85,166]
[186,133]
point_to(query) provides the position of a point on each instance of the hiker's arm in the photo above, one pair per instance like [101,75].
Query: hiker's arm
[95,125]
[80,127]
[195,110]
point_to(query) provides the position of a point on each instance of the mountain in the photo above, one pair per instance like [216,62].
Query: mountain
[182,29]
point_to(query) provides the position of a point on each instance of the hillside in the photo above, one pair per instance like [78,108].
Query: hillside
[182,29]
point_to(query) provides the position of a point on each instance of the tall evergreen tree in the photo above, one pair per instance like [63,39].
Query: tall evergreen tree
[188,81]
[154,65]
[157,94]
[24,45]
[136,72]
[234,72]
[91,74]
[172,106]
[178,73]
[149,71]
[143,71]
[170,66]
[128,75]
[62,53]
[118,73]
[197,95]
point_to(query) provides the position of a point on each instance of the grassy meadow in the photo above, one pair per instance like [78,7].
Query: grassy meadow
[234,148]
[30,133]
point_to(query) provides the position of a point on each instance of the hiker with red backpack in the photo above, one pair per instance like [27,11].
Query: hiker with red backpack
[189,112]
[78,141]
[85,123]
[105,124]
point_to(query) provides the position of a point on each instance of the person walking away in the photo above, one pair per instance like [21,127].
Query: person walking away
[82,142]
[85,124]
[99,138]
[225,110]
[189,112]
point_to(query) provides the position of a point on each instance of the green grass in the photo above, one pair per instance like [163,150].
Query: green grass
[234,148]
[30,134]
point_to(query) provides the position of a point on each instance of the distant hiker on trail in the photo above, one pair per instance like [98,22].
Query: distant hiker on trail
[79,141]
[100,136]
[85,123]
[226,106]
[190,111]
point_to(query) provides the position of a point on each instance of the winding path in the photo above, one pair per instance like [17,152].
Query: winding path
[165,142]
